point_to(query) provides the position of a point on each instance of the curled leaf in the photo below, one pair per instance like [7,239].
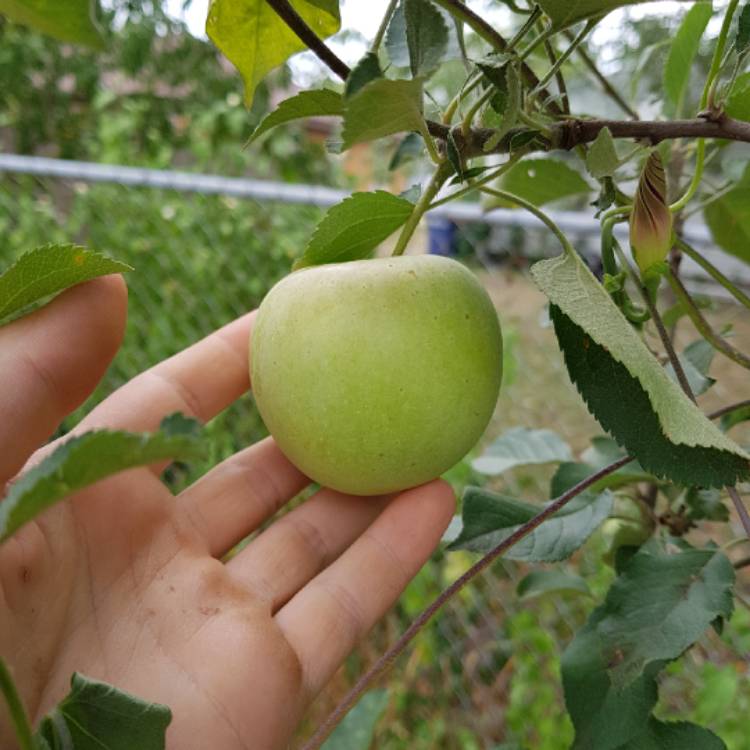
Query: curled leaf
[651,219]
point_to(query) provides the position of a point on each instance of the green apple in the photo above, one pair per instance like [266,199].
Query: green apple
[377,375]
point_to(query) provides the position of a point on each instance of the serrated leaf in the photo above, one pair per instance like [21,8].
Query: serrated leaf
[520,446]
[255,39]
[314,103]
[48,270]
[71,21]
[353,228]
[660,735]
[489,518]
[683,50]
[705,504]
[625,387]
[98,716]
[367,69]
[738,101]
[742,40]
[567,12]
[541,181]
[728,218]
[85,459]
[426,36]
[601,158]
[543,582]
[358,727]
[660,605]
[384,107]
[495,69]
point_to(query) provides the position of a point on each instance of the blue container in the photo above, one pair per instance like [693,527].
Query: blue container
[441,236]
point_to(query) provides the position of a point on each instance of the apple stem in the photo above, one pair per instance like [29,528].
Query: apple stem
[433,188]
[386,660]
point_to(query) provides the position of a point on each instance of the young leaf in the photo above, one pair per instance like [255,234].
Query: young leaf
[85,459]
[98,716]
[366,70]
[568,12]
[426,36]
[314,103]
[541,181]
[70,21]
[395,39]
[738,101]
[48,270]
[728,218]
[256,40]
[742,40]
[626,389]
[683,50]
[602,159]
[411,147]
[383,107]
[660,605]
[734,417]
[489,518]
[358,727]
[354,227]
[520,446]
[542,582]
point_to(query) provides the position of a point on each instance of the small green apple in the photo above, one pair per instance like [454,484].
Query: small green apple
[377,375]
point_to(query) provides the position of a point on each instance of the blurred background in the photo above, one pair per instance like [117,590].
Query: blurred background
[217,225]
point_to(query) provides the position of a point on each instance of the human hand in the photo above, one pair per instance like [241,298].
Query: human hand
[124,582]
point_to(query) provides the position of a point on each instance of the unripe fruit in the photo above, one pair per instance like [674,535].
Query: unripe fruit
[377,375]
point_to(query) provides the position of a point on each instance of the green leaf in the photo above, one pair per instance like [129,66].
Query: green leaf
[570,474]
[426,36]
[683,50]
[742,40]
[489,518]
[357,729]
[98,716]
[366,70]
[411,147]
[625,387]
[383,107]
[85,459]
[70,21]
[395,39]
[705,504]
[48,270]
[541,181]
[255,39]
[520,446]
[602,159]
[728,218]
[663,601]
[738,101]
[734,417]
[660,735]
[567,12]
[696,361]
[542,582]
[354,227]
[314,103]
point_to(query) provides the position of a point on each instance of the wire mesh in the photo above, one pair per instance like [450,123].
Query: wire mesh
[486,671]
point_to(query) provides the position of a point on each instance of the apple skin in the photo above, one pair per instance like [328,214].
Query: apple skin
[377,375]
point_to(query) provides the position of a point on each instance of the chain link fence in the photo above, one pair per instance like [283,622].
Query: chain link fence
[485,673]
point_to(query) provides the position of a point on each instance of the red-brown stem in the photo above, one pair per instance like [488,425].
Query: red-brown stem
[387,659]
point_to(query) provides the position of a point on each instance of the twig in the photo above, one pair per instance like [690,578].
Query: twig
[387,659]
[609,89]
[559,77]
[728,409]
[703,326]
[740,508]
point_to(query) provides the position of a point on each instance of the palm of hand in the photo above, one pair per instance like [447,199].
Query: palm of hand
[125,582]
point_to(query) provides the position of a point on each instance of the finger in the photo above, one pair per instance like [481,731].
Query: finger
[285,557]
[239,494]
[51,361]
[327,618]
[200,382]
